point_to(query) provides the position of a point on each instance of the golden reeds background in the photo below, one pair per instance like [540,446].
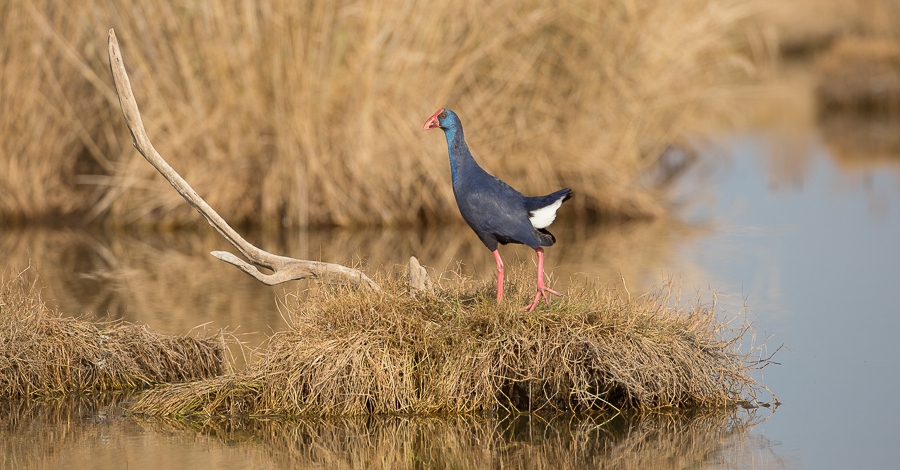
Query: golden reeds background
[309,113]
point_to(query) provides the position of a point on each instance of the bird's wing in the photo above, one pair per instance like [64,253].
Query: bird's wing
[542,209]
[539,202]
[499,215]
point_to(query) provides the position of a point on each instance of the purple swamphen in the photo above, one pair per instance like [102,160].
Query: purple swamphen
[495,211]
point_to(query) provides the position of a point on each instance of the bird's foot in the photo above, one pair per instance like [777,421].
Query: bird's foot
[541,292]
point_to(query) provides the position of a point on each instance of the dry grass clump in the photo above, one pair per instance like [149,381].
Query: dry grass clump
[43,353]
[348,352]
[312,111]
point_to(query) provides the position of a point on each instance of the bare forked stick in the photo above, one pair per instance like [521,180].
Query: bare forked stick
[285,269]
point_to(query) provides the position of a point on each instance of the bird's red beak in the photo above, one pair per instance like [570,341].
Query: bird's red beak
[433,122]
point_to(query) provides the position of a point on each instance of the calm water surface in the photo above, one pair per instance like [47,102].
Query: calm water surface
[810,234]
[804,234]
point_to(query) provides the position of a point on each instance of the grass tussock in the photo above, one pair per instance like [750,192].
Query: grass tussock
[349,352]
[312,110]
[43,353]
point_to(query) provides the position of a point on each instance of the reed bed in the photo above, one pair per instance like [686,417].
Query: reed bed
[805,28]
[348,352]
[43,353]
[855,45]
[312,111]
[860,75]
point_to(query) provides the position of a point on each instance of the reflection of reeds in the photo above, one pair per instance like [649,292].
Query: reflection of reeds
[43,353]
[862,141]
[311,111]
[90,432]
[30,434]
[352,352]
[169,281]
[524,441]
[85,432]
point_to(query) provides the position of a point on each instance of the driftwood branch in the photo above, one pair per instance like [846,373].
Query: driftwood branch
[284,268]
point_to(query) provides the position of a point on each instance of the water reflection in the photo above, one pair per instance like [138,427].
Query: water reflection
[92,433]
[861,147]
[862,141]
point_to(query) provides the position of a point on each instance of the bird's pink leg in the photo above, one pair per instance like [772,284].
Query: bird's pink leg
[499,275]
[542,290]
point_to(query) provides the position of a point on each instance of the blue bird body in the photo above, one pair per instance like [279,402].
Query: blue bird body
[497,212]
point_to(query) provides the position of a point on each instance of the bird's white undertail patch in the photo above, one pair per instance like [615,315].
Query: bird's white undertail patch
[543,217]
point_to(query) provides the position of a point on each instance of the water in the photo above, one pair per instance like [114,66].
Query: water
[803,233]
[815,249]
[74,435]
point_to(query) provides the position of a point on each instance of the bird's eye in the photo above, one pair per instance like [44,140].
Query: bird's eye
[443,115]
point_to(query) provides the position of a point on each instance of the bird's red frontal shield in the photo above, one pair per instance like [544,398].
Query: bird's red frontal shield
[433,121]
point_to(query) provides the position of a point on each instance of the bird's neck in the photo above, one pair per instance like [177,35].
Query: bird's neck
[461,158]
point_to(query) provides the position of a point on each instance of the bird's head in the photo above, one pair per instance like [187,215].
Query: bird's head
[443,118]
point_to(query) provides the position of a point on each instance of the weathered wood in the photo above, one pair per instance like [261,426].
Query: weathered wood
[284,268]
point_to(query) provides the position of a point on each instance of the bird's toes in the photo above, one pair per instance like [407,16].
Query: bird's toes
[542,292]
[547,290]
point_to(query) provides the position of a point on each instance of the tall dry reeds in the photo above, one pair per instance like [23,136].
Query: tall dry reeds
[348,352]
[43,353]
[310,111]
[855,47]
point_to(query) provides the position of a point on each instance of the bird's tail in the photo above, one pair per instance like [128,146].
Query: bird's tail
[542,209]
[547,238]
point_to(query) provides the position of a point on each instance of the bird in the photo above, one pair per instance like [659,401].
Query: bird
[498,213]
